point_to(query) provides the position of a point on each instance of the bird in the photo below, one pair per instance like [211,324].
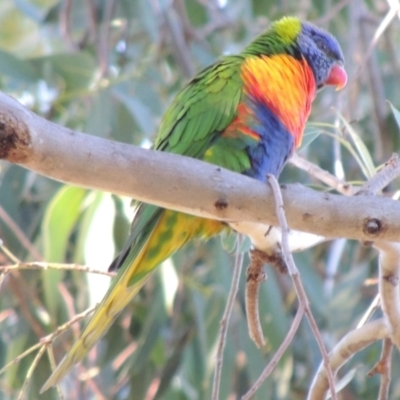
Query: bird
[245,113]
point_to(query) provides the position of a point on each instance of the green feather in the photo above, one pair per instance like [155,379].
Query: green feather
[277,40]
[202,110]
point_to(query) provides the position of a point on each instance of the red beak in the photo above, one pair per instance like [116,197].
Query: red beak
[337,77]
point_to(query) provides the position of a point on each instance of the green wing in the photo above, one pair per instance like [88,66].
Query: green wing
[202,110]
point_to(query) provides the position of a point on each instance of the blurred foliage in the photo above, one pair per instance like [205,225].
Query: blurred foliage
[110,68]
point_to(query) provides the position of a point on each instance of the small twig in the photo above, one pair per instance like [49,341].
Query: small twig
[103,45]
[53,365]
[332,265]
[390,16]
[65,23]
[225,318]
[47,340]
[180,47]
[11,256]
[45,344]
[8,253]
[30,371]
[324,176]
[384,367]
[70,306]
[371,309]
[333,11]
[278,355]
[17,359]
[352,343]
[376,87]
[92,20]
[389,274]
[59,266]
[389,172]
[19,234]
[295,275]
[24,297]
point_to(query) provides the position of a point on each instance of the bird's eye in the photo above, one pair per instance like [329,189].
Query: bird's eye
[321,45]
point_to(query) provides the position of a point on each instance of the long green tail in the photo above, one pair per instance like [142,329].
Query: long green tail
[156,234]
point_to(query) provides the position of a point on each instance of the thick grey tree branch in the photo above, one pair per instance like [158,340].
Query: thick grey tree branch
[182,183]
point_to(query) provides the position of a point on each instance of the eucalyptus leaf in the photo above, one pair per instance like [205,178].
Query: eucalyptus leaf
[59,221]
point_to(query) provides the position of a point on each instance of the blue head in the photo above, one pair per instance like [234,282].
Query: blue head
[323,54]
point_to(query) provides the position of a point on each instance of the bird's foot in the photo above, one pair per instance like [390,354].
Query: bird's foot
[275,259]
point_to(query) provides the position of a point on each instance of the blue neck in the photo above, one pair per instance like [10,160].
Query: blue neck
[276,145]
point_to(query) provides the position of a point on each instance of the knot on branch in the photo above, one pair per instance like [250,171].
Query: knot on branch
[221,204]
[14,138]
[392,279]
[373,227]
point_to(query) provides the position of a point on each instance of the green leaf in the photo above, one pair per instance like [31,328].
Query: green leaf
[228,240]
[140,112]
[310,134]
[149,336]
[74,72]
[96,239]
[15,348]
[396,113]
[17,69]
[367,164]
[148,21]
[101,114]
[59,220]
[34,11]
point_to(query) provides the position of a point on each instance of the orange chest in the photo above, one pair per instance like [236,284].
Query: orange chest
[283,84]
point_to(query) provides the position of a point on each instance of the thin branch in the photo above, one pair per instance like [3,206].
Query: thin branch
[278,355]
[57,266]
[19,234]
[384,367]
[389,17]
[8,253]
[387,174]
[104,38]
[65,23]
[324,176]
[24,296]
[17,359]
[371,309]
[298,285]
[52,361]
[30,371]
[377,91]
[47,340]
[352,343]
[180,47]
[225,318]
[182,183]
[332,13]
[389,275]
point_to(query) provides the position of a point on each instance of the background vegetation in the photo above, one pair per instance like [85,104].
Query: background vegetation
[110,68]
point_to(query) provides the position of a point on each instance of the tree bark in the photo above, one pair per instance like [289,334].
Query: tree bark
[183,183]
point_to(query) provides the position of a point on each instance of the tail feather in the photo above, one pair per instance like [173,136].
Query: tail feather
[107,311]
[156,235]
[131,277]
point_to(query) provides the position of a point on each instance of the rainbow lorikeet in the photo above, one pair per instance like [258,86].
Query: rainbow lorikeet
[246,113]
